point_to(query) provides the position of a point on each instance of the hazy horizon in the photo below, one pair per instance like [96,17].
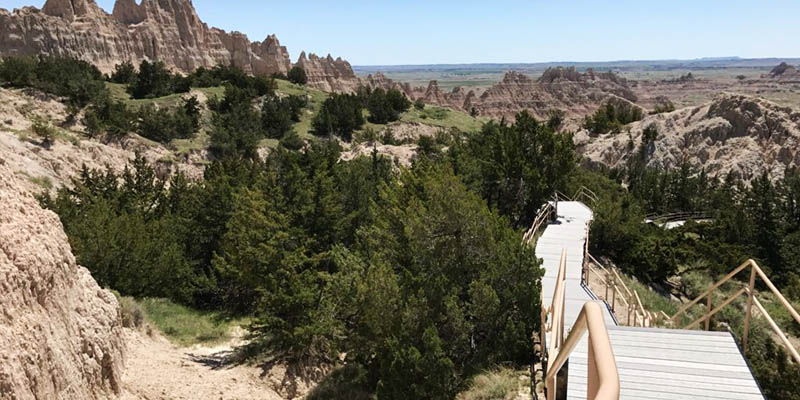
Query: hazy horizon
[515,32]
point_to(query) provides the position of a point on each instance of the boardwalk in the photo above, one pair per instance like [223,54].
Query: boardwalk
[568,232]
[653,363]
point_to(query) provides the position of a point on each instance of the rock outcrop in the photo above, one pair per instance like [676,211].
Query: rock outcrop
[566,89]
[327,74]
[784,72]
[163,30]
[60,333]
[733,133]
[577,93]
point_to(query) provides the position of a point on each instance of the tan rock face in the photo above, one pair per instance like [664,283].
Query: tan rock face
[163,30]
[576,93]
[327,74]
[732,133]
[59,331]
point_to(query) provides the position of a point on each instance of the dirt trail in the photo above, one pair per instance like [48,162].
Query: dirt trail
[157,369]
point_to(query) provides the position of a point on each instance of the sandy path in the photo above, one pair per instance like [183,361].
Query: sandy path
[156,369]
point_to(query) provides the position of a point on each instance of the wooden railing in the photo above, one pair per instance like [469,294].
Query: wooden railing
[548,210]
[615,290]
[752,300]
[679,216]
[541,220]
[603,377]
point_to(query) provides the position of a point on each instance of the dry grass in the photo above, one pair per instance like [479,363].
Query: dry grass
[497,384]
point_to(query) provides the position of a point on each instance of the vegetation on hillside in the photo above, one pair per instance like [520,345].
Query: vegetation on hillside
[612,116]
[409,272]
[756,220]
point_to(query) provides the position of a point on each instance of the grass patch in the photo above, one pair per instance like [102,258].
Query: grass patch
[444,117]
[185,326]
[119,92]
[42,181]
[498,384]
[315,99]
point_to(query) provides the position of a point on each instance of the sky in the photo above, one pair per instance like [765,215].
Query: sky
[391,32]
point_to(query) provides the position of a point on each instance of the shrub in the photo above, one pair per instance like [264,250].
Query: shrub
[164,125]
[124,73]
[612,116]
[419,105]
[278,114]
[76,80]
[155,80]
[132,313]
[663,105]
[111,117]
[297,76]
[499,384]
[340,116]
[44,131]
[385,106]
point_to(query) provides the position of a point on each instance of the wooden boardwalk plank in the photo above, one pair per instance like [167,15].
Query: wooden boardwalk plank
[653,364]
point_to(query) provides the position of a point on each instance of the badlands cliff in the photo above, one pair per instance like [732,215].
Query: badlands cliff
[733,133]
[164,30]
[60,333]
[566,89]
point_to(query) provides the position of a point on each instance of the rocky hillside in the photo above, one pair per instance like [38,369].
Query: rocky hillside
[46,167]
[566,89]
[165,30]
[738,133]
[60,333]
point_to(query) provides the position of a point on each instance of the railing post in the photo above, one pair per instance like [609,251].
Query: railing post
[608,281]
[748,308]
[628,320]
[614,299]
[708,311]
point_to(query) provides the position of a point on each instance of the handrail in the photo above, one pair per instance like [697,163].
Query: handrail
[749,290]
[603,376]
[677,216]
[633,303]
[556,310]
[544,213]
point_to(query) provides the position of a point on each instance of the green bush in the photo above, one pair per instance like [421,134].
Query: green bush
[124,73]
[44,131]
[612,116]
[164,124]
[297,76]
[78,81]
[155,80]
[340,116]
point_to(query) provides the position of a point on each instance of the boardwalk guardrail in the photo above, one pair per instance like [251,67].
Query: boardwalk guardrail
[603,376]
[752,300]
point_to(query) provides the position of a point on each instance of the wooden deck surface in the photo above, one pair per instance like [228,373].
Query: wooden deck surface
[653,363]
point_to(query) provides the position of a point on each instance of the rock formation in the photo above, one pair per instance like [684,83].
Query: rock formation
[60,333]
[784,72]
[327,74]
[163,30]
[743,134]
[566,89]
[558,88]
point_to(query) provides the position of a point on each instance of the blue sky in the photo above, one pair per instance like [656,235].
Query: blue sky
[467,31]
